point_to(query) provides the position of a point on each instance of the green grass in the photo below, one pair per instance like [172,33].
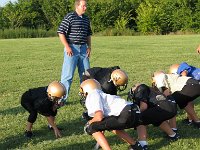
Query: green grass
[28,63]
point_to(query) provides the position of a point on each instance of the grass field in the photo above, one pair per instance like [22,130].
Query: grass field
[28,63]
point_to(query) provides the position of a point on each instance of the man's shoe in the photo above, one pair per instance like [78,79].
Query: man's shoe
[137,146]
[175,138]
[196,124]
[28,134]
[187,121]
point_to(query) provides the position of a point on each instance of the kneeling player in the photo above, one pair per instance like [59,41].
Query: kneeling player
[108,112]
[43,100]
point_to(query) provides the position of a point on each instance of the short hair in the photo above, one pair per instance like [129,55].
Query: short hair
[77,2]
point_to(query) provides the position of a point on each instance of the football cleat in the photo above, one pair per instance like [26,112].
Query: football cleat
[28,134]
[145,147]
[196,124]
[175,138]
[187,121]
[137,146]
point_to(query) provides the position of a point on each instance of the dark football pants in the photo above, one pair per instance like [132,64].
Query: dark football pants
[27,104]
[156,115]
[128,118]
[189,93]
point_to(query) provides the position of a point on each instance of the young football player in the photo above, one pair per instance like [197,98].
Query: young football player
[184,69]
[108,112]
[45,101]
[112,79]
[155,109]
[182,88]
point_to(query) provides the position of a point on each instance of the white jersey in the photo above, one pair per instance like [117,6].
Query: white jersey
[110,105]
[171,81]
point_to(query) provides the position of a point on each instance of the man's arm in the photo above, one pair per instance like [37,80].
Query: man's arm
[89,46]
[66,44]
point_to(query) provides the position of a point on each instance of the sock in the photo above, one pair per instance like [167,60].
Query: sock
[173,135]
[143,143]
[174,129]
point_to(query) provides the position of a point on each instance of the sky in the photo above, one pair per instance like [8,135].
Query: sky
[4,2]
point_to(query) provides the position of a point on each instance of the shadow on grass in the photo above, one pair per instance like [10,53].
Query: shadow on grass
[185,131]
[43,134]
[13,111]
[20,109]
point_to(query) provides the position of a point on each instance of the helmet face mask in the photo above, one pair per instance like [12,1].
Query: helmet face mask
[119,79]
[132,92]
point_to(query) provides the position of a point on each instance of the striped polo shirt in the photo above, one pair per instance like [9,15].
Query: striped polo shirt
[76,28]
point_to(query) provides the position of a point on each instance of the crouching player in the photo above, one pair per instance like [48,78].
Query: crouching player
[45,101]
[111,79]
[185,69]
[108,112]
[183,89]
[155,109]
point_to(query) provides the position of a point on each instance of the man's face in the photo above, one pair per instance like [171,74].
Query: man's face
[81,8]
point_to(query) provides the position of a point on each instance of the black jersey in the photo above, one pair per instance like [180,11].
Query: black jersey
[151,97]
[36,101]
[102,75]
[160,108]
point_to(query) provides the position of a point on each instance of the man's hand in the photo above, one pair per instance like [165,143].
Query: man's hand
[69,51]
[88,51]
[198,49]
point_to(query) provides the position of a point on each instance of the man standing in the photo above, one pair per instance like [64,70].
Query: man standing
[75,34]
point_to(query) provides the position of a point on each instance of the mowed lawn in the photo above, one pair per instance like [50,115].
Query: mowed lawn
[29,63]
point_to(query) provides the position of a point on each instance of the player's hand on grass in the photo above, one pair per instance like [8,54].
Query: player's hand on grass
[57,133]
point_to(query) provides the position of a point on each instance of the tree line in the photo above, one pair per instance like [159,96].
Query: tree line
[142,16]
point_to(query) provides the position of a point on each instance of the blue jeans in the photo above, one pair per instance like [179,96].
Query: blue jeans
[78,59]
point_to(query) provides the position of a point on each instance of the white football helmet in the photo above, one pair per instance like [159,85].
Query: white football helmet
[56,90]
[173,68]
[88,86]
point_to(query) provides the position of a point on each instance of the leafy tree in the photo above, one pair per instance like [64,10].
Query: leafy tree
[11,15]
[55,11]
[149,17]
